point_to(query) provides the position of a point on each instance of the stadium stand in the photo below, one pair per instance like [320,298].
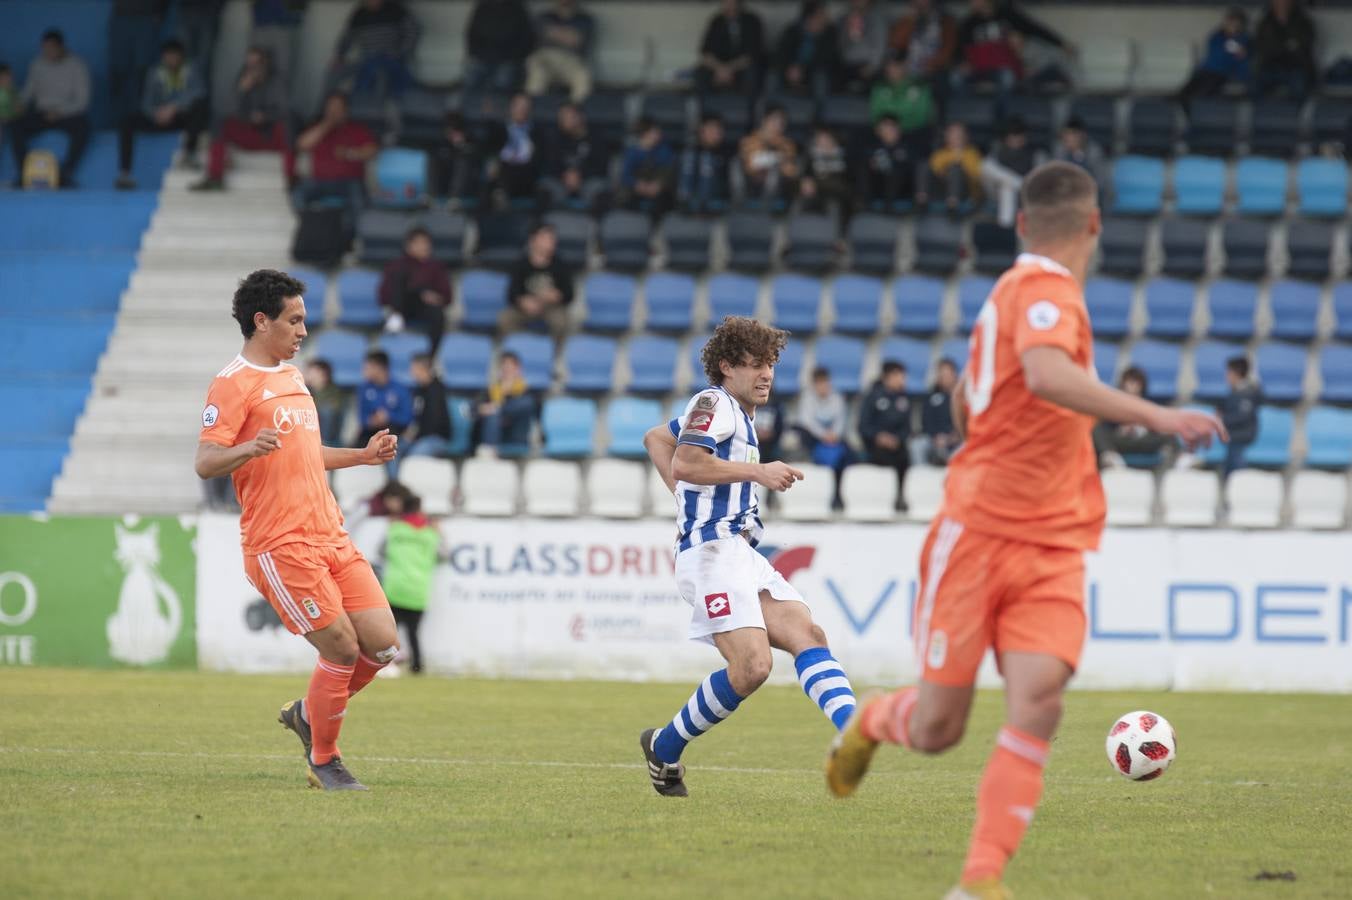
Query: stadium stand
[1318,500]
[615,488]
[858,302]
[1254,499]
[1169,308]
[1110,303]
[1131,496]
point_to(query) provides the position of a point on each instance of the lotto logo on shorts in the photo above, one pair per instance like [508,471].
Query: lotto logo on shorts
[717,605]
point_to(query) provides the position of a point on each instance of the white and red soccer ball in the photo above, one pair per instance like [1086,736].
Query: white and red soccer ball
[1141,745]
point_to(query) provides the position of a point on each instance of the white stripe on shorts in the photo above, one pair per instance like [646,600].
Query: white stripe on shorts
[284,598]
[949,532]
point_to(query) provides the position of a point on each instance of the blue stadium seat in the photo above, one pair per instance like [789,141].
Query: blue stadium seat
[344,351]
[1160,362]
[843,357]
[66,345]
[1199,185]
[911,353]
[972,294]
[89,220]
[918,301]
[789,369]
[1261,185]
[60,283]
[625,238]
[731,294]
[462,425]
[1321,185]
[1109,301]
[154,154]
[652,364]
[676,409]
[670,297]
[1106,355]
[1281,371]
[797,300]
[610,301]
[1328,433]
[590,361]
[1335,371]
[400,177]
[627,419]
[1342,310]
[484,295]
[568,424]
[359,299]
[402,348]
[46,409]
[465,360]
[1138,185]
[957,349]
[1168,304]
[1272,448]
[697,379]
[536,352]
[316,289]
[1208,362]
[27,471]
[1232,305]
[857,299]
[1295,310]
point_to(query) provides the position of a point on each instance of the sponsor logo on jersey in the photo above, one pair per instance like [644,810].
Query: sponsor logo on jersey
[288,419]
[210,415]
[717,605]
[1043,315]
[699,421]
[706,401]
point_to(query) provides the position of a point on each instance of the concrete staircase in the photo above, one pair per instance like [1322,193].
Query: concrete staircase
[133,447]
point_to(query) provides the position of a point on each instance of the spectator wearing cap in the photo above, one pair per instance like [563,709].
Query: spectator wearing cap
[174,99]
[926,37]
[886,174]
[954,172]
[415,289]
[885,424]
[1283,51]
[909,99]
[862,30]
[1226,61]
[339,150]
[498,40]
[565,38]
[732,51]
[375,48]
[705,182]
[455,165]
[1004,168]
[576,162]
[540,289]
[257,122]
[807,59]
[648,170]
[55,97]
[769,160]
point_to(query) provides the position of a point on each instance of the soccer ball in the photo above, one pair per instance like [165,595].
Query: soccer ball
[1141,745]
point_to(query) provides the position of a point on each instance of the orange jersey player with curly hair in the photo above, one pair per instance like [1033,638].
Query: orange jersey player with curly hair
[260,426]
[1003,565]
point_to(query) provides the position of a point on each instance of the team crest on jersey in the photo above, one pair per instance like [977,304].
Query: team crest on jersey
[311,607]
[1043,315]
[210,415]
[717,605]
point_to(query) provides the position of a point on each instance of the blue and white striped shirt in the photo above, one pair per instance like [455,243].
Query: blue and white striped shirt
[715,421]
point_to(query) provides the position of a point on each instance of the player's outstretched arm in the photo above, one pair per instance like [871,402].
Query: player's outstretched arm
[1051,374]
[661,446]
[214,460]
[696,465]
[380,449]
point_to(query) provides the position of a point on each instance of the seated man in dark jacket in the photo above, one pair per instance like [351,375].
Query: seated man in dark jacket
[885,424]
[807,60]
[1113,442]
[416,288]
[576,161]
[705,184]
[430,433]
[455,165]
[886,174]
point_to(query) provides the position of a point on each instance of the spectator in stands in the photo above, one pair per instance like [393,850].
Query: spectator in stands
[564,43]
[56,96]
[455,165]
[339,150]
[770,429]
[174,99]
[885,425]
[705,184]
[732,51]
[909,99]
[258,122]
[430,433]
[886,174]
[497,42]
[769,160]
[506,410]
[415,289]
[825,186]
[1226,62]
[1283,50]
[381,402]
[1003,169]
[821,425]
[515,170]
[276,26]
[807,60]
[541,287]
[408,563]
[938,438]
[133,34]
[1239,413]
[648,171]
[926,37]
[863,41]
[197,24]
[991,41]
[1114,442]
[1076,146]
[9,98]
[330,401]
[954,173]
[375,49]
[577,161]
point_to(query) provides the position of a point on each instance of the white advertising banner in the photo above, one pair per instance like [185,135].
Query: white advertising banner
[1190,610]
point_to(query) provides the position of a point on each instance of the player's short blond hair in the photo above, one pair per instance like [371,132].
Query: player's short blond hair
[1057,199]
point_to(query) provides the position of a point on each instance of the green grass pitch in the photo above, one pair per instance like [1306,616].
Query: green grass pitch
[132,784]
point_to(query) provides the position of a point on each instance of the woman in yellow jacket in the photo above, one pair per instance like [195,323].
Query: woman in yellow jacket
[954,174]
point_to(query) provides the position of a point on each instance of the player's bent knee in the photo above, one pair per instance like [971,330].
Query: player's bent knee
[936,735]
[749,674]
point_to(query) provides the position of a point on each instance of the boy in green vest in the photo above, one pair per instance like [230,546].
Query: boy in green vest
[412,545]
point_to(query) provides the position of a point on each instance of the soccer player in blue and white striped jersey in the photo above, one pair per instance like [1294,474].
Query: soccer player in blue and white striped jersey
[740,604]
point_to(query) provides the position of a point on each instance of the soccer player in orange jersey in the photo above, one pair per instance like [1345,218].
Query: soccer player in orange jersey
[260,425]
[1003,564]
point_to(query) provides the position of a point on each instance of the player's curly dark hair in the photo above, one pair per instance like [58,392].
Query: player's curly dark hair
[738,339]
[263,291]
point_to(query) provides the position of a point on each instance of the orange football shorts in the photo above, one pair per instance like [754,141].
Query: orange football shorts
[310,586]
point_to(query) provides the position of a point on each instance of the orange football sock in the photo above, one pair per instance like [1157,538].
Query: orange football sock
[325,705]
[1005,802]
[888,718]
[362,673]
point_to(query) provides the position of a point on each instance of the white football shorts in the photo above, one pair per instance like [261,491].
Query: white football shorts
[722,581]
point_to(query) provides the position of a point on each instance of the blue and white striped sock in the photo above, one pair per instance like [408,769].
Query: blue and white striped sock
[713,701]
[825,684]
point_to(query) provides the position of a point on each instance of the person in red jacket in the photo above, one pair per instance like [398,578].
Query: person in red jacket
[416,289]
[339,150]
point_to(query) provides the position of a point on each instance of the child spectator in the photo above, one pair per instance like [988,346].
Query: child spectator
[339,151]
[381,403]
[706,170]
[430,433]
[259,120]
[412,546]
[375,48]
[1239,413]
[330,401]
[55,96]
[938,438]
[731,52]
[577,161]
[1226,62]
[565,37]
[455,165]
[886,174]
[540,288]
[909,99]
[648,170]
[769,160]
[825,186]
[416,288]
[885,425]
[807,60]
[863,40]
[174,99]
[506,410]
[954,170]
[821,425]
[1114,442]
[926,37]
